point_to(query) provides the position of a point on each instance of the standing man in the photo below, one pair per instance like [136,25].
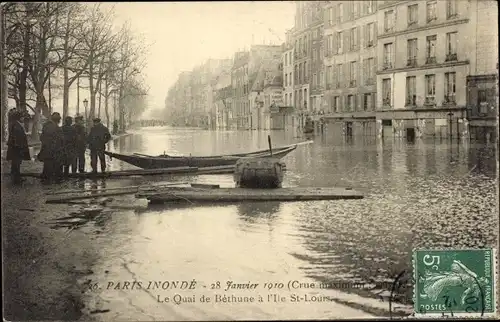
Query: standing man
[69,133]
[80,144]
[17,149]
[52,151]
[98,137]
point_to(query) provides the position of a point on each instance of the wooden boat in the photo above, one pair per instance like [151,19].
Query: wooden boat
[164,161]
[169,194]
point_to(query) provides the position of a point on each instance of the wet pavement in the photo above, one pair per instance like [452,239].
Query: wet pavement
[424,194]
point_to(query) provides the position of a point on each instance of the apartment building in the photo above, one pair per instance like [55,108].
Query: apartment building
[350,61]
[482,82]
[288,67]
[427,50]
[302,58]
[240,85]
[316,59]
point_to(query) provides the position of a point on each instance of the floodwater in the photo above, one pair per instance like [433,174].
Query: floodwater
[424,194]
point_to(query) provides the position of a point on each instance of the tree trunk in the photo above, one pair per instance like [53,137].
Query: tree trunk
[78,95]
[106,100]
[65,94]
[92,91]
[50,96]
[24,75]
[100,98]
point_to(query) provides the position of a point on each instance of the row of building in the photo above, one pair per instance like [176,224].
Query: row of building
[384,68]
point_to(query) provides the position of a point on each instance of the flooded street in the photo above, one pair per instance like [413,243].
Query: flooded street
[426,194]
[122,255]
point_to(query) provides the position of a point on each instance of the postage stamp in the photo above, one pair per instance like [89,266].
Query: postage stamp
[454,282]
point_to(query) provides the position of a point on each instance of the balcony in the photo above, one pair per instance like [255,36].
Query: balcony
[431,19]
[389,29]
[411,62]
[370,43]
[430,60]
[412,24]
[449,100]
[411,101]
[336,85]
[386,102]
[387,65]
[451,57]
[352,83]
[430,101]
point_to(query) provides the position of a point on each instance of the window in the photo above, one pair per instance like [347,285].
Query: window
[430,89]
[451,9]
[370,35]
[329,75]
[482,101]
[451,46]
[350,103]
[431,11]
[330,45]
[449,87]
[352,73]
[411,91]
[389,21]
[369,6]
[354,39]
[355,9]
[340,13]
[330,16]
[306,73]
[369,71]
[388,56]
[367,101]
[336,104]
[431,50]
[314,80]
[322,78]
[386,92]
[340,42]
[412,14]
[412,52]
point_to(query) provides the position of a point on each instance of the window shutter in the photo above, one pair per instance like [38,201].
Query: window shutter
[333,39]
[346,41]
[358,40]
[346,75]
[374,33]
[365,35]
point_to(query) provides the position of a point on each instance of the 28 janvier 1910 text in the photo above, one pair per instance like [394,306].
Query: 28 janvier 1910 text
[228,285]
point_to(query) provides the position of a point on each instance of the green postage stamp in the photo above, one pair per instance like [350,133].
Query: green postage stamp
[454,282]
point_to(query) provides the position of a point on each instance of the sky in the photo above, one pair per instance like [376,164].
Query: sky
[182,35]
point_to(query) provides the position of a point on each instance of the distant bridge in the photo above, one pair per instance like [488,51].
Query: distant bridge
[145,123]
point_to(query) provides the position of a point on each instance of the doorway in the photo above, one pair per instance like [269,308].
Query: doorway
[410,134]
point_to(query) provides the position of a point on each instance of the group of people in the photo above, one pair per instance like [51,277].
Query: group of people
[63,148]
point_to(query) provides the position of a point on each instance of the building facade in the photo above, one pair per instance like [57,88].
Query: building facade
[288,77]
[316,60]
[350,67]
[428,50]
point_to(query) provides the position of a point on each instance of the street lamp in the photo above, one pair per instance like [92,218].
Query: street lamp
[85,104]
[450,114]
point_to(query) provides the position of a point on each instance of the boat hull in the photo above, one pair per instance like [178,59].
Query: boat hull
[145,162]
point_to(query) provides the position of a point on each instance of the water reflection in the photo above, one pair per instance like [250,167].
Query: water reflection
[253,211]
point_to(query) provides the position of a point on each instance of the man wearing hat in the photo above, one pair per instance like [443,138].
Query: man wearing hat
[17,145]
[98,137]
[80,145]
[52,151]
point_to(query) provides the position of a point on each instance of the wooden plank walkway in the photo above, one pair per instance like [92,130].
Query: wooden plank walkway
[243,194]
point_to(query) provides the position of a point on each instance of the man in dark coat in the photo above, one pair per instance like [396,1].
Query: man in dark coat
[69,145]
[98,137]
[17,149]
[52,151]
[80,144]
